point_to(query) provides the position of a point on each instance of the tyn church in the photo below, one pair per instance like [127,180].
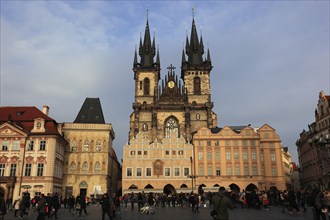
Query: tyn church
[166,113]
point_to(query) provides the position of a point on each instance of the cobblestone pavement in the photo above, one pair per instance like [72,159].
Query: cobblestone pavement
[175,213]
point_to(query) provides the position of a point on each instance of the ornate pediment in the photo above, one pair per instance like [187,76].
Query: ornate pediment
[8,129]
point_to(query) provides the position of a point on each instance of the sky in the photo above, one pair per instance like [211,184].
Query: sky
[270,58]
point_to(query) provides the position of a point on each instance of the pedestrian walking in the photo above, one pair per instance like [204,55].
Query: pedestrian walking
[3,207]
[132,200]
[221,204]
[106,206]
[55,205]
[41,208]
[82,203]
[17,204]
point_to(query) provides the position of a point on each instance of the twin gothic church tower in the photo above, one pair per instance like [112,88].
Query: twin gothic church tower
[171,107]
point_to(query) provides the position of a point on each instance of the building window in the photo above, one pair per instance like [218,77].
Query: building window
[228,155]
[245,156]
[244,142]
[72,168]
[132,152]
[145,152]
[273,157]
[246,171]
[208,143]
[235,143]
[139,172]
[5,145]
[253,143]
[227,143]
[16,145]
[40,170]
[42,145]
[180,152]
[272,145]
[229,171]
[255,171]
[98,145]
[167,171]
[197,86]
[262,156]
[148,171]
[13,169]
[216,143]
[173,152]
[198,116]
[200,155]
[129,172]
[171,128]
[217,171]
[236,156]
[74,146]
[139,152]
[2,169]
[146,86]
[217,155]
[266,135]
[201,170]
[186,171]
[167,152]
[176,171]
[274,171]
[86,145]
[209,155]
[84,168]
[97,168]
[28,168]
[253,155]
[30,146]
[209,170]
[237,171]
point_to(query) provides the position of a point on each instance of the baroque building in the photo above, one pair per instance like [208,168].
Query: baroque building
[32,152]
[314,147]
[165,115]
[90,164]
[238,157]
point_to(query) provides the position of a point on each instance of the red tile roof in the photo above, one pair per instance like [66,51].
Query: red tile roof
[24,116]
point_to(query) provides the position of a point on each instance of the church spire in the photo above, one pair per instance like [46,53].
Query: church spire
[195,50]
[147,49]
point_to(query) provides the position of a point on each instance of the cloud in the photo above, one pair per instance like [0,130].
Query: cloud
[271,59]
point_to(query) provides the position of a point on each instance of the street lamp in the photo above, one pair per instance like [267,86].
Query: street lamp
[192,176]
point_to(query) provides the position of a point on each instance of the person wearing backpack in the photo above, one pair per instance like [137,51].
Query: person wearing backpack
[221,203]
[317,205]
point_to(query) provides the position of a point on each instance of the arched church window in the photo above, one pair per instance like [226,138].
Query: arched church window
[197,86]
[145,127]
[171,128]
[98,145]
[97,168]
[72,167]
[74,146]
[84,168]
[86,145]
[146,84]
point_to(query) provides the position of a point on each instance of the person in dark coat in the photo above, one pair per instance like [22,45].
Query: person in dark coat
[106,206]
[221,203]
[55,205]
[82,202]
[41,208]
[3,207]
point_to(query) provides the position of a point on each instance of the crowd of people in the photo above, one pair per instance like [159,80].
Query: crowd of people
[290,201]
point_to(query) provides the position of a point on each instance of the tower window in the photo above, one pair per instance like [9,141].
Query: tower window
[197,86]
[171,128]
[146,89]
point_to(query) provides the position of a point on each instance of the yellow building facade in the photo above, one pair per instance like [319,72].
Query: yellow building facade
[31,153]
[238,157]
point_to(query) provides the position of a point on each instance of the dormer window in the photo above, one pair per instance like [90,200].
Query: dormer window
[39,125]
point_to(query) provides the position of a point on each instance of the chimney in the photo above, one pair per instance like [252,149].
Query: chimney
[45,109]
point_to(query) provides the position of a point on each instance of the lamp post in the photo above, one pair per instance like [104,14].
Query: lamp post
[191,175]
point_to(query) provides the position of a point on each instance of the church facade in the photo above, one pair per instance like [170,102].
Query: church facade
[175,144]
[159,155]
